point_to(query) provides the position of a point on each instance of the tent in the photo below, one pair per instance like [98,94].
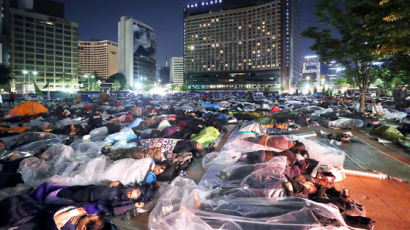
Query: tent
[28,108]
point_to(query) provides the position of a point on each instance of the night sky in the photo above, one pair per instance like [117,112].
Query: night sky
[99,19]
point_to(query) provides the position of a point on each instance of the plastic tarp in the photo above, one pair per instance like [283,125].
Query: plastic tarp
[135,123]
[185,205]
[325,154]
[322,111]
[394,116]
[206,136]
[163,125]
[98,132]
[128,171]
[346,123]
[58,160]
[125,134]
[278,143]
[209,106]
[262,178]
[252,127]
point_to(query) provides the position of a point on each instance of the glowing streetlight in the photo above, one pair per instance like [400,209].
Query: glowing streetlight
[25,72]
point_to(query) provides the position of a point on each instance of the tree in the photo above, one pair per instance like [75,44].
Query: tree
[184,88]
[340,82]
[116,85]
[359,41]
[386,80]
[121,79]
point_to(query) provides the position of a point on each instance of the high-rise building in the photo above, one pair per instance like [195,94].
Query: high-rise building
[98,57]
[4,32]
[311,68]
[334,71]
[240,44]
[136,51]
[43,45]
[164,75]
[177,70]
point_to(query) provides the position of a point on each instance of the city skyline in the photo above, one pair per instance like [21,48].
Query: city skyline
[166,17]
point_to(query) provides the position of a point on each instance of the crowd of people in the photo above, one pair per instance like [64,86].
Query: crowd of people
[85,161]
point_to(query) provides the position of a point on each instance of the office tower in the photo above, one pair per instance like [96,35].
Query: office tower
[98,57]
[136,51]
[177,70]
[4,32]
[240,44]
[334,71]
[311,68]
[43,45]
[164,75]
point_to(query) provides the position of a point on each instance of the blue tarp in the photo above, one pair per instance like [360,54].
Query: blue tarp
[209,106]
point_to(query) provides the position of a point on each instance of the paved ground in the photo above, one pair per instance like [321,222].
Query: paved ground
[386,201]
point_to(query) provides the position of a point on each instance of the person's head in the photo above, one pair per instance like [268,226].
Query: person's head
[198,146]
[378,103]
[158,169]
[310,187]
[90,222]
[134,193]
[403,88]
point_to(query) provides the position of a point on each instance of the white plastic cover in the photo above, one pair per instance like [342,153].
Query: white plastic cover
[325,154]
[185,205]
[322,111]
[346,123]
[394,116]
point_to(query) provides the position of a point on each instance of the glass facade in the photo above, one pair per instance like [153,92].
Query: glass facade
[237,44]
[43,45]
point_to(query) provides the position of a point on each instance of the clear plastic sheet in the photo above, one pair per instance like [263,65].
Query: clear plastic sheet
[58,160]
[322,111]
[123,145]
[98,132]
[128,171]
[126,134]
[67,121]
[244,175]
[394,116]
[85,149]
[346,123]
[187,206]
[19,154]
[163,124]
[38,146]
[325,154]
[252,127]
[90,172]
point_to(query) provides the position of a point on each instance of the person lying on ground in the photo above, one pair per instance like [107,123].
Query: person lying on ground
[24,138]
[114,198]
